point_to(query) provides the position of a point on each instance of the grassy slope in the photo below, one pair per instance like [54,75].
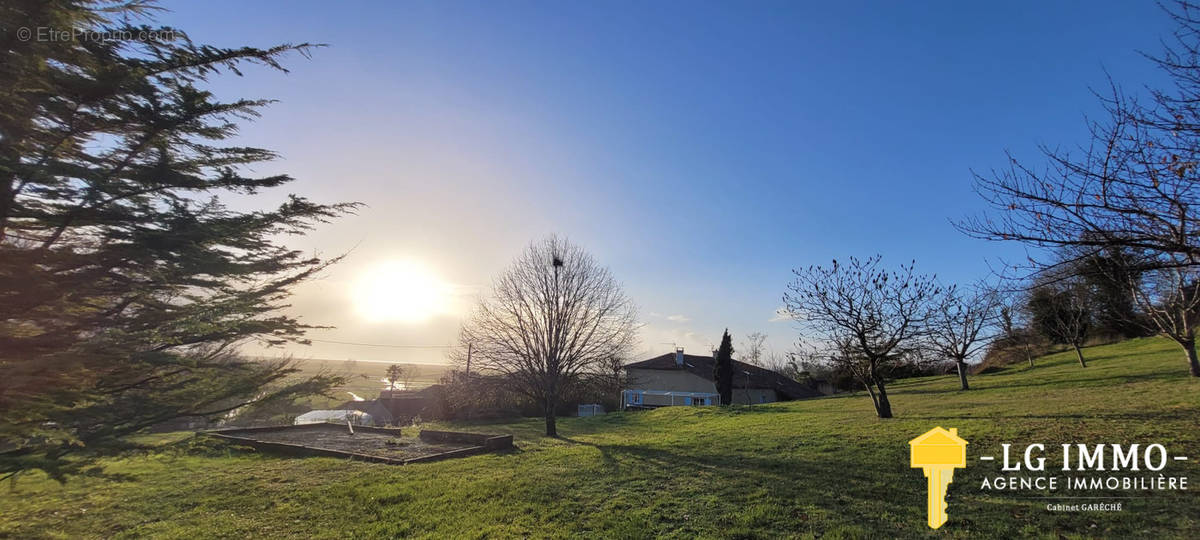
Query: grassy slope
[821,467]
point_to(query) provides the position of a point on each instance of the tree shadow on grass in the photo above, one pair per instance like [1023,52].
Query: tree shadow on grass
[725,484]
[780,467]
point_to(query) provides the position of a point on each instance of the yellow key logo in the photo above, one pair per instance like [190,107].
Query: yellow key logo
[938,452]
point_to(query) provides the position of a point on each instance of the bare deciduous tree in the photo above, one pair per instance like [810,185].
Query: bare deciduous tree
[754,349]
[1116,194]
[959,326]
[840,355]
[784,364]
[553,315]
[1015,333]
[398,374]
[612,372]
[1134,186]
[1063,308]
[1170,300]
[866,315]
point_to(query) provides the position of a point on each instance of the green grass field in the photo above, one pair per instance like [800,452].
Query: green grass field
[822,467]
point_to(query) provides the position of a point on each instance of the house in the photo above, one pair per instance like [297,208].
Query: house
[685,379]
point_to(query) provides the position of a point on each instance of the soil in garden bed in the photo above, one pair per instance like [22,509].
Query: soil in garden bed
[337,437]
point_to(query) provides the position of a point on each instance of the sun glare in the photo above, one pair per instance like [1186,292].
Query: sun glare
[400,291]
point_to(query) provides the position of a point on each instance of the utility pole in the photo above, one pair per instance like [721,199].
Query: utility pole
[467,378]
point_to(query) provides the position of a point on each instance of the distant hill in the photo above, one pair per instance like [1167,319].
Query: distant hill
[366,377]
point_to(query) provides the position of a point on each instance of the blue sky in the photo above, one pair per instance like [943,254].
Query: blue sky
[700,150]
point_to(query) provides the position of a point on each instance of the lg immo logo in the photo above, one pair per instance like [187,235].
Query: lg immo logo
[938,452]
[1085,469]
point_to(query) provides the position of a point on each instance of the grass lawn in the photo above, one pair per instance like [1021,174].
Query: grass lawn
[824,467]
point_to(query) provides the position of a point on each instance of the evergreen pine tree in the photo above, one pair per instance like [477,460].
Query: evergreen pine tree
[125,284]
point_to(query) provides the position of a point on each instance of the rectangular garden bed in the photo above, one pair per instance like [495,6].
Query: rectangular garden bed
[381,445]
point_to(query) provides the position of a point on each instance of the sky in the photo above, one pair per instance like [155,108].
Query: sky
[699,150]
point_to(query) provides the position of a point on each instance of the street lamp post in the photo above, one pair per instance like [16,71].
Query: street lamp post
[553,341]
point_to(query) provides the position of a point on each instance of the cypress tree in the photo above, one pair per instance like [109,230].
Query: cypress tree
[723,369]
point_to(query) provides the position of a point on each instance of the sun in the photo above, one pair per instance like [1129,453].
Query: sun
[403,291]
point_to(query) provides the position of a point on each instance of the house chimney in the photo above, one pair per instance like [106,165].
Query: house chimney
[679,357]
